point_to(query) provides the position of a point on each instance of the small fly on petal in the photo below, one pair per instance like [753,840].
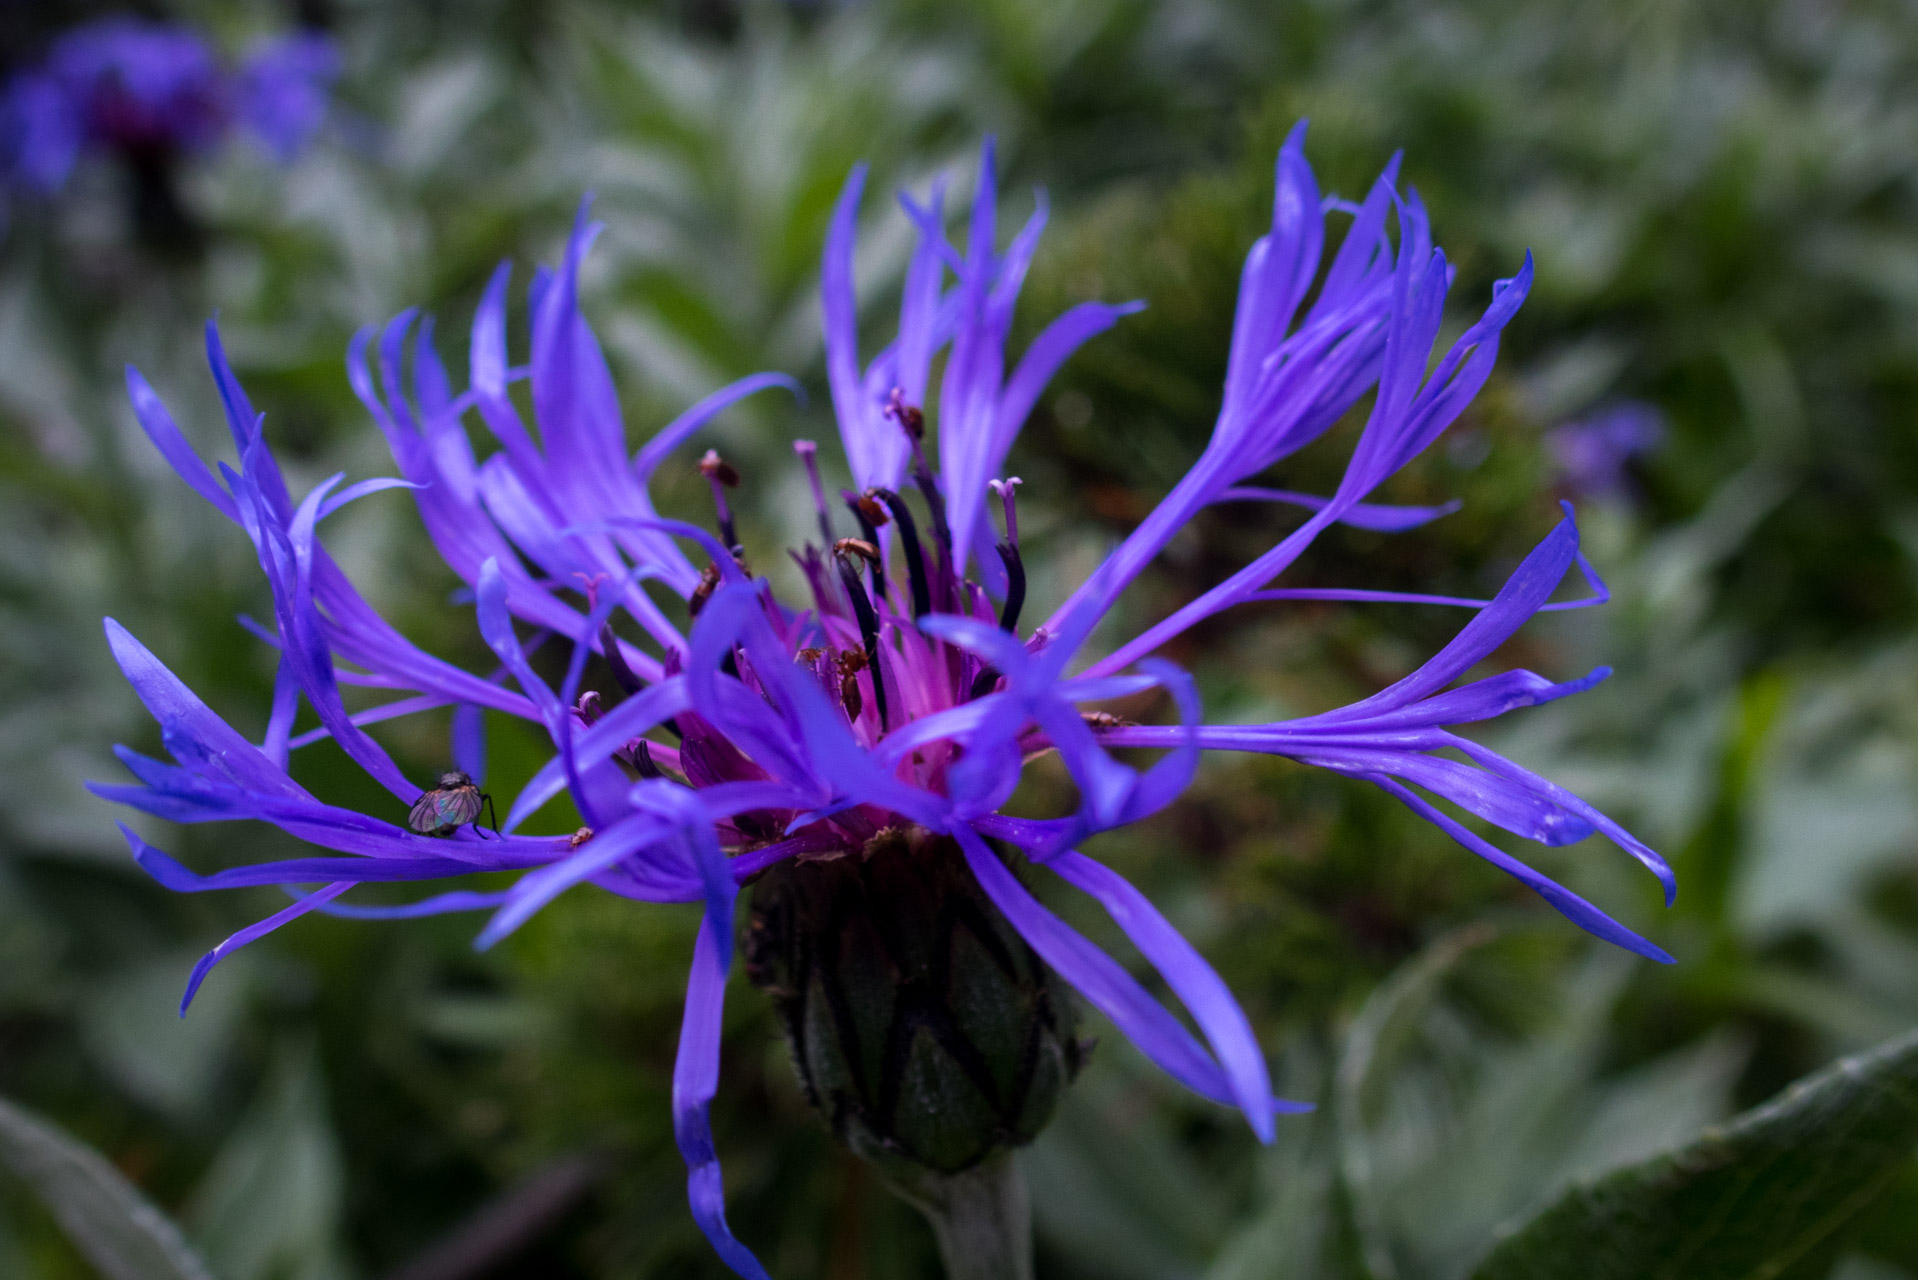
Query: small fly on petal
[454,803]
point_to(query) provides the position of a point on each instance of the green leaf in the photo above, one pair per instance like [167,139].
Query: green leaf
[1751,1200]
[120,1233]
[270,1207]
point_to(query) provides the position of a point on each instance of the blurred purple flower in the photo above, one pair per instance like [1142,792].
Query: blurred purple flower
[906,693]
[1591,452]
[143,88]
[285,88]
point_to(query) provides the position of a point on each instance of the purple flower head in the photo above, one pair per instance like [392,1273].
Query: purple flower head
[284,89]
[145,88]
[1591,453]
[908,688]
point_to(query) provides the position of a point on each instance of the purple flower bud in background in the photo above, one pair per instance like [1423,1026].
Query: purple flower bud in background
[853,750]
[1591,452]
[284,89]
[148,91]
[41,130]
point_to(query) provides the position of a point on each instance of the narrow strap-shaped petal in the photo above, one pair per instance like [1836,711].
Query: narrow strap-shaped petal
[496,627]
[695,1081]
[279,724]
[254,932]
[1377,517]
[169,701]
[487,353]
[469,741]
[354,492]
[763,733]
[167,438]
[1568,904]
[919,301]
[564,731]
[691,821]
[1536,577]
[1098,977]
[537,888]
[1194,981]
[1356,595]
[167,870]
[286,553]
[1280,266]
[241,420]
[1624,839]
[674,433]
[872,452]
[437,905]
[624,722]
[1501,801]
[1036,367]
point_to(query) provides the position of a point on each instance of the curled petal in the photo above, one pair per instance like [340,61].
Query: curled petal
[1101,979]
[1195,982]
[695,1081]
[1568,904]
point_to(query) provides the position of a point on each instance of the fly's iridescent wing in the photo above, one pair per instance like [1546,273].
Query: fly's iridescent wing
[444,809]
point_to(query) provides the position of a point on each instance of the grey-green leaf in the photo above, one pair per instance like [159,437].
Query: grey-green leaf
[1749,1200]
[120,1233]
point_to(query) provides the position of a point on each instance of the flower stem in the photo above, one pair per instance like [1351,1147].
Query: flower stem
[982,1218]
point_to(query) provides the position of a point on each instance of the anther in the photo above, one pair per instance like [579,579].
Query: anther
[909,416]
[708,583]
[915,554]
[850,663]
[714,467]
[616,659]
[588,709]
[844,553]
[867,529]
[1015,587]
[912,420]
[579,837]
[721,476]
[639,754]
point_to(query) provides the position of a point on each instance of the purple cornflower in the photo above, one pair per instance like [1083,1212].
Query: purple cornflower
[1591,453]
[149,89]
[284,88]
[907,692]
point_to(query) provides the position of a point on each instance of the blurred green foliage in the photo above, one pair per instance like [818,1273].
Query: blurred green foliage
[1720,197]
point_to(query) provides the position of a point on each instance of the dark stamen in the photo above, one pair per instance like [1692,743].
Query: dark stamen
[642,753]
[982,686]
[1008,613]
[868,620]
[1015,587]
[915,554]
[622,674]
[912,420]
